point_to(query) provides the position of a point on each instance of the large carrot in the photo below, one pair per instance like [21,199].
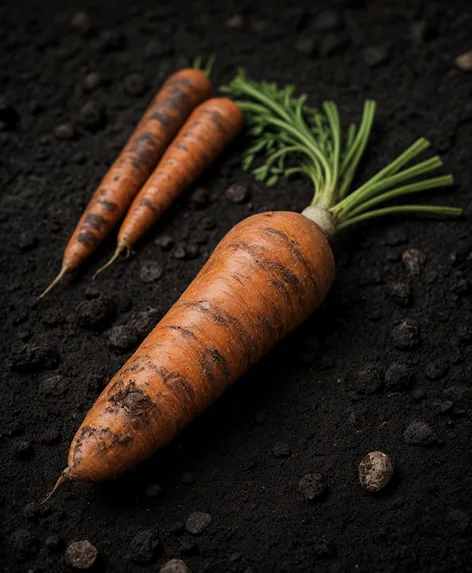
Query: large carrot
[180,94]
[266,276]
[205,134]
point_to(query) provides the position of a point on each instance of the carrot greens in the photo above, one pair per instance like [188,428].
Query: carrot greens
[295,138]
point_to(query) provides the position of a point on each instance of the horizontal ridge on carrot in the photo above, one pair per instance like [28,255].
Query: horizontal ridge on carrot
[267,275]
[202,138]
[182,92]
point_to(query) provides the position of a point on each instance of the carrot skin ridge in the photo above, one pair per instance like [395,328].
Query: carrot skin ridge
[169,109]
[265,277]
[208,130]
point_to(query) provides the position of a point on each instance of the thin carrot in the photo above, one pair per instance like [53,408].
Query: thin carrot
[265,277]
[172,105]
[203,137]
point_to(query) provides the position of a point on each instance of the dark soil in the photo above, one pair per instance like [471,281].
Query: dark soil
[70,96]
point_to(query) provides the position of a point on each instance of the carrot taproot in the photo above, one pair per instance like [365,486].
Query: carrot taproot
[180,94]
[265,277]
[211,126]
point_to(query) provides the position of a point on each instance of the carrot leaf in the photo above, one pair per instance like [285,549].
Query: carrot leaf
[292,138]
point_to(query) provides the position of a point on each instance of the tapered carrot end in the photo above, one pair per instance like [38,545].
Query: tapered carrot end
[119,249]
[62,272]
[62,479]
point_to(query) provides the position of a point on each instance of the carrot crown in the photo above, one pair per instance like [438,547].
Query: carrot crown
[294,138]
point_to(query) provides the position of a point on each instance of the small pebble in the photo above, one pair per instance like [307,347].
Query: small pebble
[406,335]
[327,21]
[143,547]
[200,197]
[174,566]
[135,85]
[236,22]
[150,272]
[81,554]
[64,131]
[92,81]
[197,522]
[81,22]
[419,433]
[398,377]
[376,55]
[368,379]
[399,292]
[165,242]
[96,313]
[153,490]
[237,193]
[281,450]
[464,62]
[180,253]
[312,486]
[92,115]
[375,471]
[413,259]
[445,407]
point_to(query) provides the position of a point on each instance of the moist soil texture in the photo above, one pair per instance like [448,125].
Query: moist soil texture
[384,364]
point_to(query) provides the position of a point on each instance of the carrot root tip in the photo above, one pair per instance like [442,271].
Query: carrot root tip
[62,272]
[119,249]
[65,476]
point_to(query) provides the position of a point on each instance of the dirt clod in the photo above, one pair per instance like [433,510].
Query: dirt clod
[312,486]
[419,433]
[150,272]
[197,522]
[143,547]
[406,335]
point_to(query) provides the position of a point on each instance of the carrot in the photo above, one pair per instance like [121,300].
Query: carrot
[179,95]
[265,277]
[205,134]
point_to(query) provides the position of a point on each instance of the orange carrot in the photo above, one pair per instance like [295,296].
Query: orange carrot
[266,276]
[205,134]
[179,95]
